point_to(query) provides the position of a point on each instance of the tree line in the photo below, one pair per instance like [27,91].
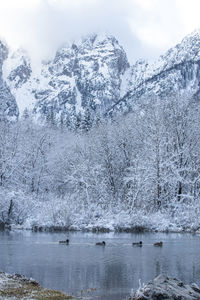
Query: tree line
[147,160]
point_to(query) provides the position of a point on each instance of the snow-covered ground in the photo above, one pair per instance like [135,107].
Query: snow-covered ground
[63,214]
[15,287]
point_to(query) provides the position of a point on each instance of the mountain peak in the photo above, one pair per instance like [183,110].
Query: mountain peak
[193,34]
[93,75]
[83,75]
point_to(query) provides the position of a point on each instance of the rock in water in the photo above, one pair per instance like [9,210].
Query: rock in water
[163,287]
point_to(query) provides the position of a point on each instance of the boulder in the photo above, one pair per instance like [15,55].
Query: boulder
[163,287]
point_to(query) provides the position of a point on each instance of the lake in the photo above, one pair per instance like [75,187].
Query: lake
[108,272]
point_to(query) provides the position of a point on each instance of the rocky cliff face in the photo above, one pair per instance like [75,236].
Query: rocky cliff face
[8,106]
[83,79]
[175,72]
[92,78]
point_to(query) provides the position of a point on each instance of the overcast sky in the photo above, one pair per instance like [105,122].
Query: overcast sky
[145,28]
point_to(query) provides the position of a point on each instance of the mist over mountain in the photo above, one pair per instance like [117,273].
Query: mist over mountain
[93,77]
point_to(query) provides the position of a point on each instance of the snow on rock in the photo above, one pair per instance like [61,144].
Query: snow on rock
[85,74]
[8,106]
[175,72]
[93,73]
[15,286]
[163,287]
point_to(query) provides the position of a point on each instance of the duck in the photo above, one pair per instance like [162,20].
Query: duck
[137,244]
[101,243]
[158,244]
[64,242]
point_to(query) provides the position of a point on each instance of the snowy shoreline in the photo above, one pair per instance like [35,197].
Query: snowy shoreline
[15,286]
[102,229]
[54,214]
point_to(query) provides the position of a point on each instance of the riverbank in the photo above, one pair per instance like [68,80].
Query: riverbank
[54,214]
[119,221]
[17,287]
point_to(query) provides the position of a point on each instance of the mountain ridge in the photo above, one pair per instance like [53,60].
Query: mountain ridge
[8,106]
[93,75]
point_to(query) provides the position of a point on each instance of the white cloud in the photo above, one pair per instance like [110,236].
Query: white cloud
[145,28]
[189,14]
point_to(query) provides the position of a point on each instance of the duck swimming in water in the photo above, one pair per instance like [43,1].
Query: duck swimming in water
[137,244]
[101,244]
[64,242]
[158,244]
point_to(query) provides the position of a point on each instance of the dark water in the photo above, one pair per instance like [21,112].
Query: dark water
[112,270]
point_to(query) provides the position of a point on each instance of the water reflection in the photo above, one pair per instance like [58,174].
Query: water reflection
[112,270]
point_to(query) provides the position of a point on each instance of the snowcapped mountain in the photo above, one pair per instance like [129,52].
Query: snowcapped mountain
[93,77]
[85,76]
[8,106]
[175,72]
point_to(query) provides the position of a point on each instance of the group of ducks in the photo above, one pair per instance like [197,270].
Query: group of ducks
[158,244]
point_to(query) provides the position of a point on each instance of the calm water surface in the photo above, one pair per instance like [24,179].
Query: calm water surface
[112,270]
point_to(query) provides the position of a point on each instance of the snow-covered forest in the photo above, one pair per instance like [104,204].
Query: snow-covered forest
[142,170]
